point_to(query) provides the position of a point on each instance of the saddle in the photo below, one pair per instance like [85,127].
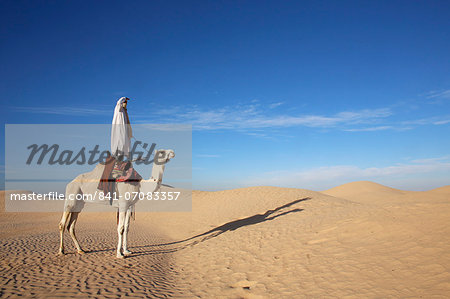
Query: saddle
[117,171]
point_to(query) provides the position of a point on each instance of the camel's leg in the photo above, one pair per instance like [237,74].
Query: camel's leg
[120,230]
[68,218]
[71,229]
[125,232]
[62,227]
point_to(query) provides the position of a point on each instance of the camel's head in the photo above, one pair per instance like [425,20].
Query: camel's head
[163,156]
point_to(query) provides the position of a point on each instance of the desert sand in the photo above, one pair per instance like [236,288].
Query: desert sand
[359,240]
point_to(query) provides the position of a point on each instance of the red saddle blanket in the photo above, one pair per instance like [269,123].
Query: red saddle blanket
[117,171]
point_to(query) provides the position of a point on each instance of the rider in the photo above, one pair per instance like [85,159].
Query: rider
[121,132]
[120,147]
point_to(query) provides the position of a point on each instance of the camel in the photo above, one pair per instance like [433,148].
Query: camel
[87,183]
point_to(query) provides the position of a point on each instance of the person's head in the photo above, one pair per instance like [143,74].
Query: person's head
[124,102]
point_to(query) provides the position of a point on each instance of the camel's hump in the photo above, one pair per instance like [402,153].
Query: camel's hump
[94,174]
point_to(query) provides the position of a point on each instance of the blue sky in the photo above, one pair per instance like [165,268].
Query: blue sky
[306,94]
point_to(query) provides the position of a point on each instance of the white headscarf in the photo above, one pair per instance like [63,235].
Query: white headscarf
[121,130]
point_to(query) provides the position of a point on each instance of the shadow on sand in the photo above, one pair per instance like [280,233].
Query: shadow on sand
[227,227]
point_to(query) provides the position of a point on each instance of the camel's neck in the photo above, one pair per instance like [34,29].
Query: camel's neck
[154,183]
[157,172]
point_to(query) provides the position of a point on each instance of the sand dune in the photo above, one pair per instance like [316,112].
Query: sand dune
[363,186]
[443,190]
[357,240]
[365,192]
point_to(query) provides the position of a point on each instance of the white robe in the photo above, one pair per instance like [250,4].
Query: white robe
[121,131]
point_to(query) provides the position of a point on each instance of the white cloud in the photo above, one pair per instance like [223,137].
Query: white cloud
[370,129]
[251,117]
[431,160]
[442,122]
[429,121]
[256,116]
[64,110]
[275,105]
[166,127]
[445,94]
[322,178]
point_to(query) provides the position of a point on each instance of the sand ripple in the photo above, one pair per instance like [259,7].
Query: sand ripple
[31,268]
